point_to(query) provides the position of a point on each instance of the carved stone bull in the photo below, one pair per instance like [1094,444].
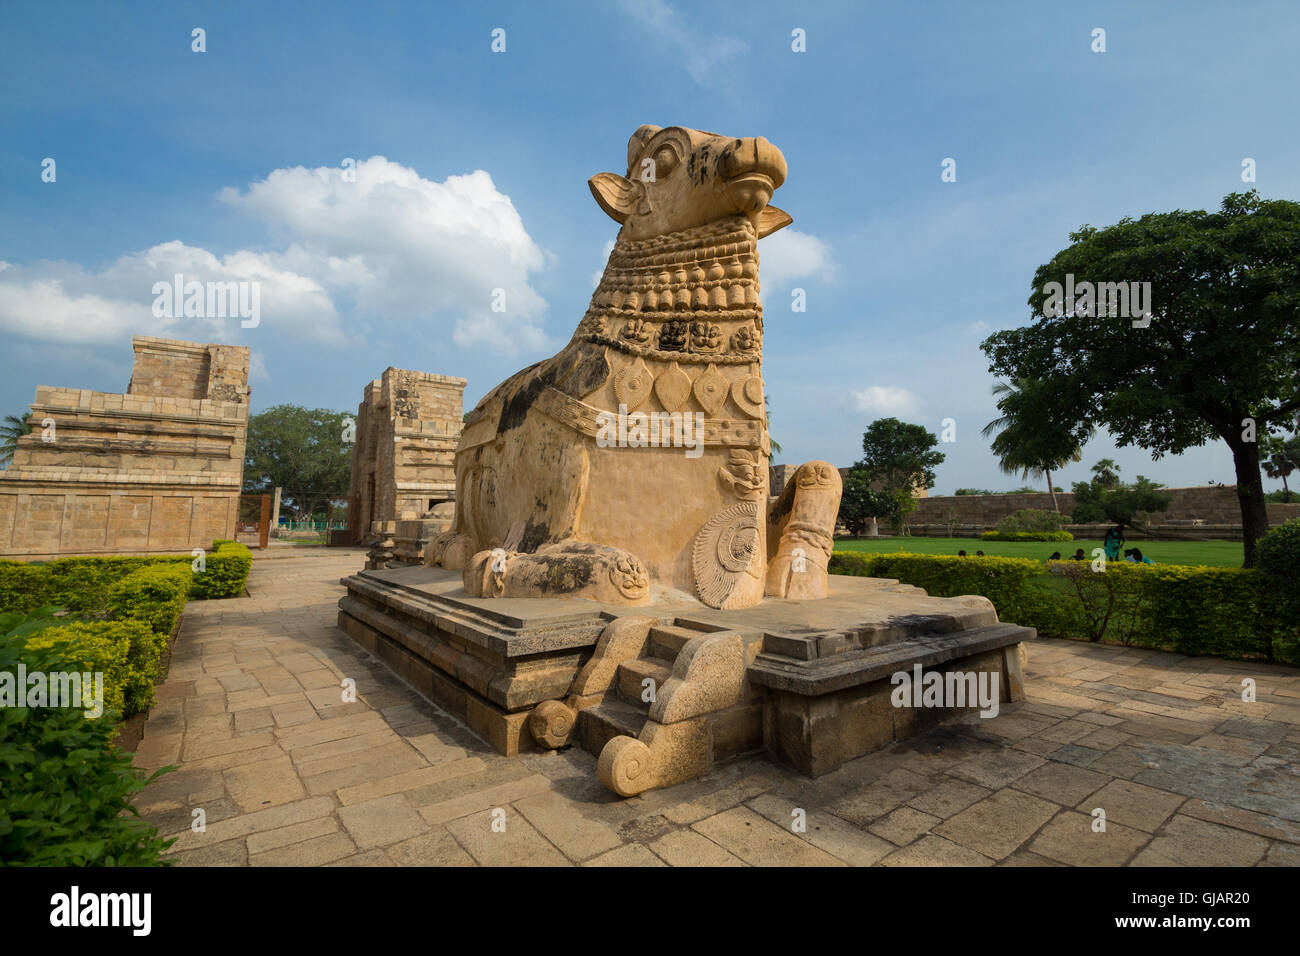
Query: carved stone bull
[639,453]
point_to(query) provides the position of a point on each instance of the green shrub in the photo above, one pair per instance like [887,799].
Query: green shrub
[126,652]
[1228,612]
[1033,519]
[154,594]
[226,573]
[65,790]
[1027,536]
[83,585]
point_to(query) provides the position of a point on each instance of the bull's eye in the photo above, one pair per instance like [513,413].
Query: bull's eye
[665,162]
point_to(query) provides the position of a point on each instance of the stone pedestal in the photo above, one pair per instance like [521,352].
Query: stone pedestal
[663,692]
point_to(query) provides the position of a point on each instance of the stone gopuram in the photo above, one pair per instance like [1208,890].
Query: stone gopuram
[620,575]
[403,463]
[158,468]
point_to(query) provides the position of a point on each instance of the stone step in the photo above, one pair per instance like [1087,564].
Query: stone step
[667,640]
[607,720]
[632,674]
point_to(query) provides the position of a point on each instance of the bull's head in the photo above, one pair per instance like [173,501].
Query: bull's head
[678,178]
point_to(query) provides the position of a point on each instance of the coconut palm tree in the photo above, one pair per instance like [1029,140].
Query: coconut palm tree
[1106,472]
[11,429]
[1032,439]
[1283,459]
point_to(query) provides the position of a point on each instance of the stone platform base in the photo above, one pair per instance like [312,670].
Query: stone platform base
[661,693]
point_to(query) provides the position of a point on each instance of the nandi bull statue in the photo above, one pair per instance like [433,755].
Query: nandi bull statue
[639,453]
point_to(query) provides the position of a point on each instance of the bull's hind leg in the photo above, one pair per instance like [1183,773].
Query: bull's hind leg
[563,569]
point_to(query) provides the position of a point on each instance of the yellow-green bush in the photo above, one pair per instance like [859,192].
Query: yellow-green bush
[226,571]
[1027,536]
[1229,612]
[103,646]
[155,595]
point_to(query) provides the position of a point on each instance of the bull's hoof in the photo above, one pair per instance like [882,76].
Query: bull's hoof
[624,766]
[451,550]
[551,723]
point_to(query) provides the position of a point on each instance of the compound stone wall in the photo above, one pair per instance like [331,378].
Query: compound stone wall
[158,468]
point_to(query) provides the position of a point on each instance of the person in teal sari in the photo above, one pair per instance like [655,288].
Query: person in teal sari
[1114,543]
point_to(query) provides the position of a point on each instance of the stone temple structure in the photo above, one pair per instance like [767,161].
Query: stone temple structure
[403,475]
[158,468]
[618,575]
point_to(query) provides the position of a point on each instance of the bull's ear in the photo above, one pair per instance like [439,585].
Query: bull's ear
[615,194]
[771,219]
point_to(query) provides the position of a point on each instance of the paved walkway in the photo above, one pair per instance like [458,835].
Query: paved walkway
[287,773]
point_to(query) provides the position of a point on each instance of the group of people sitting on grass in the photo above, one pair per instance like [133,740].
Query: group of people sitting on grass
[1131,555]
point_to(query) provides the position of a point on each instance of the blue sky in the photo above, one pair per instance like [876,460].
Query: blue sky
[473,171]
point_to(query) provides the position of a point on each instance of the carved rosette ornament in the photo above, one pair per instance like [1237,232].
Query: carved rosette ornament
[728,558]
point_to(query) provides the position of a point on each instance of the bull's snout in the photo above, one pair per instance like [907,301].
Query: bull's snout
[750,173]
[754,156]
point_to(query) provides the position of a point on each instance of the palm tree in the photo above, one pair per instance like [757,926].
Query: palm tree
[11,429]
[1283,459]
[1031,438]
[1106,472]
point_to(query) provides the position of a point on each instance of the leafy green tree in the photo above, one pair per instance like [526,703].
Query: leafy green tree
[859,502]
[300,450]
[972,491]
[12,428]
[1215,358]
[1032,436]
[1106,472]
[899,457]
[1124,505]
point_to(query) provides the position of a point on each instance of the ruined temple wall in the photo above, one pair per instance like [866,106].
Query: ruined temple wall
[408,425]
[157,468]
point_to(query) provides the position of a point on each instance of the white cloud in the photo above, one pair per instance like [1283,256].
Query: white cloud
[391,246]
[704,57]
[407,247]
[885,401]
[65,304]
[788,255]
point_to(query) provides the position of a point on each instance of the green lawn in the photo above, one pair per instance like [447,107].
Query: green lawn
[1223,554]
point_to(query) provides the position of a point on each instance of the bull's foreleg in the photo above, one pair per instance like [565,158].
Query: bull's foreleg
[801,533]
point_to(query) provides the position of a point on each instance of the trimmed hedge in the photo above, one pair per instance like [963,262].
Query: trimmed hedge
[65,790]
[155,595]
[104,647]
[1027,536]
[1228,612]
[226,573]
[84,584]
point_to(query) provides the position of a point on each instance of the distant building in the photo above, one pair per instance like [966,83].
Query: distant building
[158,468]
[403,462]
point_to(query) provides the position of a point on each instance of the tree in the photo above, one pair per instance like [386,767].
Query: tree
[1106,473]
[1216,355]
[300,450]
[859,502]
[1283,458]
[1032,437]
[12,428]
[776,445]
[899,457]
[1123,505]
